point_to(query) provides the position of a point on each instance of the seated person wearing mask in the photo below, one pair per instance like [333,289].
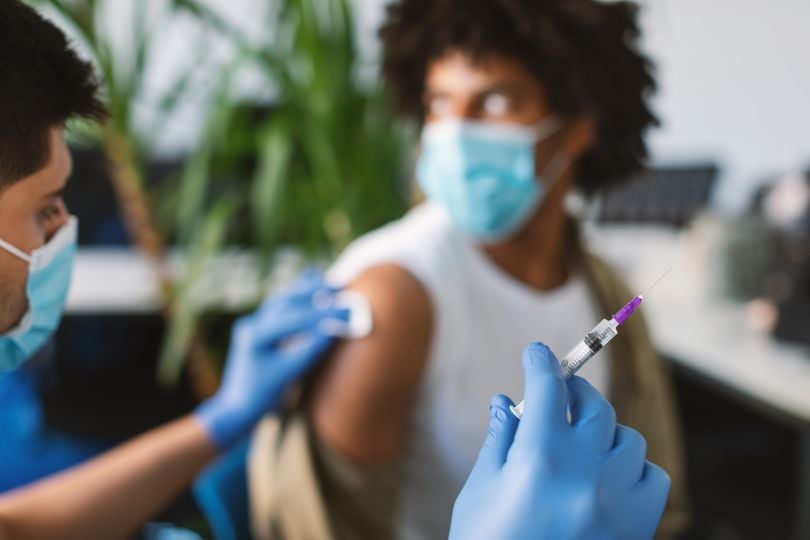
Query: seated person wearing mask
[520,103]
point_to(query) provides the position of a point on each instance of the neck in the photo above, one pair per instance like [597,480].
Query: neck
[537,255]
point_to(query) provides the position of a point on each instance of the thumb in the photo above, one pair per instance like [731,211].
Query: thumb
[546,396]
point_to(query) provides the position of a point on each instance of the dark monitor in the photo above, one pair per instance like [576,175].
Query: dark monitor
[666,195]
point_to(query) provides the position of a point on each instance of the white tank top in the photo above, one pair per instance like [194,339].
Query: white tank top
[483,319]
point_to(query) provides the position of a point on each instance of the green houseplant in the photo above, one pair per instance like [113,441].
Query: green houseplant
[321,163]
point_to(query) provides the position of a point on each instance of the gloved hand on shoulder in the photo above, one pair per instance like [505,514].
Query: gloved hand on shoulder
[270,349]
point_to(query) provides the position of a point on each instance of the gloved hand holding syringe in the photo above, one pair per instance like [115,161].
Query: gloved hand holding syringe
[595,340]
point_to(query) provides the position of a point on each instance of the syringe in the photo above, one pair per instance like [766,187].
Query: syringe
[595,340]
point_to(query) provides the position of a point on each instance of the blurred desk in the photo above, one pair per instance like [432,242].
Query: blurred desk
[710,341]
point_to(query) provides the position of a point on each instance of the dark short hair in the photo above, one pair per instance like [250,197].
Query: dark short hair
[43,83]
[583,52]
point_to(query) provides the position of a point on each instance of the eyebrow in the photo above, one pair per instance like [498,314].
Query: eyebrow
[58,192]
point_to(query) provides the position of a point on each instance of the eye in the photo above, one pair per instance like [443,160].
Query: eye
[50,213]
[496,105]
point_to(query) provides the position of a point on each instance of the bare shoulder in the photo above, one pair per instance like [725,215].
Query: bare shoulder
[400,304]
[360,400]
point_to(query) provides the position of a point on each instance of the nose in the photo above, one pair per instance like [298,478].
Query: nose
[466,109]
[455,107]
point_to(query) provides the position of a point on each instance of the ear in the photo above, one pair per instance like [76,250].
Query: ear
[580,134]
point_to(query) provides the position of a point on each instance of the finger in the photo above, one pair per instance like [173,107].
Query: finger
[321,298]
[336,323]
[626,460]
[312,278]
[654,482]
[242,332]
[500,435]
[307,350]
[592,417]
[500,432]
[545,398]
[272,331]
[306,286]
[310,273]
[651,492]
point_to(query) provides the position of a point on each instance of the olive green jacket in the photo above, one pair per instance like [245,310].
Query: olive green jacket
[300,489]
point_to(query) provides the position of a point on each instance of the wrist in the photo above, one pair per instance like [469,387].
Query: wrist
[223,422]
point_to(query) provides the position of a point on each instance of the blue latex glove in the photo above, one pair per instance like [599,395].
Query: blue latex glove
[546,477]
[269,350]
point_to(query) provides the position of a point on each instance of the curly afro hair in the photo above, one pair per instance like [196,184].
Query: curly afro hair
[584,52]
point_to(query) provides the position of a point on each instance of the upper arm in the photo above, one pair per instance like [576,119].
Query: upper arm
[360,401]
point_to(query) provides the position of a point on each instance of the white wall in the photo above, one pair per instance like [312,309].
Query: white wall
[735,84]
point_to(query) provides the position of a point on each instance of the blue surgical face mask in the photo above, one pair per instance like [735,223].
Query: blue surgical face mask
[49,271]
[484,174]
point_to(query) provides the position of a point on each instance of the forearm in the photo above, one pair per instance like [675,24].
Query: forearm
[112,495]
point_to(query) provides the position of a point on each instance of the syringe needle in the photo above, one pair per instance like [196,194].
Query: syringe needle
[657,281]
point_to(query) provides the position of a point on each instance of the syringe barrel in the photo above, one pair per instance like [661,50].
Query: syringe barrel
[575,358]
[591,344]
[583,351]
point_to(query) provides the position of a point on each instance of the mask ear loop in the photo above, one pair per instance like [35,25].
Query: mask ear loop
[546,127]
[558,164]
[20,254]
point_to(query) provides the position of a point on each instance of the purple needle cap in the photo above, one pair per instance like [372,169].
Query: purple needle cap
[628,309]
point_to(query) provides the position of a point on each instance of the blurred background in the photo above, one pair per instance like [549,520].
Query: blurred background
[252,137]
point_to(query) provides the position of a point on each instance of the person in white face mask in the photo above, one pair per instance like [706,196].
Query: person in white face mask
[520,103]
